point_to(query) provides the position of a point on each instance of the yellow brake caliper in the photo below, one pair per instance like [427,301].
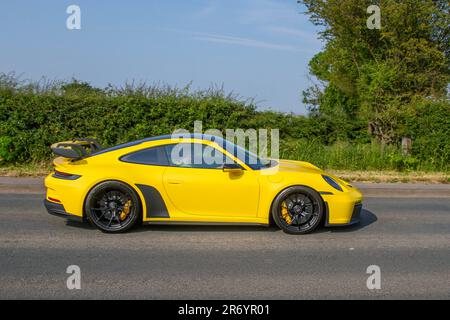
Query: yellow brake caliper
[285,213]
[126,210]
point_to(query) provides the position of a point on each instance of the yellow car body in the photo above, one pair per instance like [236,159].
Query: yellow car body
[170,194]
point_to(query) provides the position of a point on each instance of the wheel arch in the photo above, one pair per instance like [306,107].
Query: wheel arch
[135,189]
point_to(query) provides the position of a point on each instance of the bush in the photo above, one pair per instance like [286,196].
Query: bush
[35,115]
[6,152]
[428,124]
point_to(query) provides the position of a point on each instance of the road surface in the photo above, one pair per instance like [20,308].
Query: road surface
[408,238]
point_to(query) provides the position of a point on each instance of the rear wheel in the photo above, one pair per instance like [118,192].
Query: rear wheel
[113,207]
[298,210]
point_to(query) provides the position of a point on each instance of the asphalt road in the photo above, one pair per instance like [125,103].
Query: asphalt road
[408,238]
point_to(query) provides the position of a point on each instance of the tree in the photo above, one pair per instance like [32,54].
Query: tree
[379,75]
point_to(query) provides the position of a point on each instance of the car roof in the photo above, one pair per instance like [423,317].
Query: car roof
[163,137]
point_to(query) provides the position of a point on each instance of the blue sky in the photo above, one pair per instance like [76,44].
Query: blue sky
[255,48]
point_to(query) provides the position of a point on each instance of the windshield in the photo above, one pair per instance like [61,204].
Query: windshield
[249,158]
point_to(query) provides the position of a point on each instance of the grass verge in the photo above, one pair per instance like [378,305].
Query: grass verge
[394,177]
[44,168]
[26,170]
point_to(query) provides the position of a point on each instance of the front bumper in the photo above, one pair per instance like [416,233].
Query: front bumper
[58,210]
[355,217]
[343,208]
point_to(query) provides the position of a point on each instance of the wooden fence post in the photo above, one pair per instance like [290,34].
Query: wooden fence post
[406,146]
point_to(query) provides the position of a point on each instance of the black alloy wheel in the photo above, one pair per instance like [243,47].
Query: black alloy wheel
[113,207]
[298,210]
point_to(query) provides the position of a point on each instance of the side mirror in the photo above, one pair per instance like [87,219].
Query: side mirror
[232,167]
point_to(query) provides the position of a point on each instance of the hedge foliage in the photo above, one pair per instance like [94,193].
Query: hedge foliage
[33,116]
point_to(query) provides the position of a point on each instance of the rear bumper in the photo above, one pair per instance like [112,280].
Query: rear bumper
[58,210]
[70,194]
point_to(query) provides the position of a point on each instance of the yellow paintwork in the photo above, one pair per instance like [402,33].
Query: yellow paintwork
[200,195]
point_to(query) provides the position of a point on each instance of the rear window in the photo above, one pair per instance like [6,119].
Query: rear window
[153,156]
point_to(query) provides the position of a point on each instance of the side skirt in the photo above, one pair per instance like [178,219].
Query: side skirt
[193,223]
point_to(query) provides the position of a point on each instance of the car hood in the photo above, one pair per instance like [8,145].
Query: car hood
[290,166]
[298,166]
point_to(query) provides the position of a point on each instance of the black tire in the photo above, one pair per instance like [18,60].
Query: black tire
[113,207]
[298,210]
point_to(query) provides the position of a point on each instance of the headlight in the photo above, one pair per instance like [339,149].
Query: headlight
[332,183]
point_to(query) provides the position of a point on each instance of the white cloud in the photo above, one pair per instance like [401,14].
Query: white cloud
[246,42]
[304,35]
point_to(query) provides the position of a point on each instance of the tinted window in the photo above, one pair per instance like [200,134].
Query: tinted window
[153,156]
[250,159]
[196,155]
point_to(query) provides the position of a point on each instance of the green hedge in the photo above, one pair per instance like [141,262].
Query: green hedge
[33,117]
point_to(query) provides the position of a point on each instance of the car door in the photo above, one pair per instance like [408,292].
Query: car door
[203,188]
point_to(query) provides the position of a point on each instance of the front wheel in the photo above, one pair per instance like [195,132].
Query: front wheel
[298,210]
[112,207]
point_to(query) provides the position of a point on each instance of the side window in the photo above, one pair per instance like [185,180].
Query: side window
[152,156]
[196,155]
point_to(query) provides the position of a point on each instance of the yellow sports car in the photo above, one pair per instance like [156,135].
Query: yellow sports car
[193,179]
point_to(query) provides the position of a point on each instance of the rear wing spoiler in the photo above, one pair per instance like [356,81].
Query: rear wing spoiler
[76,149]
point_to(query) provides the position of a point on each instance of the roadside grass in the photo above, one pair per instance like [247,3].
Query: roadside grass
[350,161]
[39,169]
[369,157]
[394,177]
[43,168]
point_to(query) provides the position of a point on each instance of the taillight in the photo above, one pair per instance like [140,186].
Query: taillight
[65,175]
[54,200]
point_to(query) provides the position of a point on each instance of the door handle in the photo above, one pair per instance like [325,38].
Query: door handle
[174,181]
